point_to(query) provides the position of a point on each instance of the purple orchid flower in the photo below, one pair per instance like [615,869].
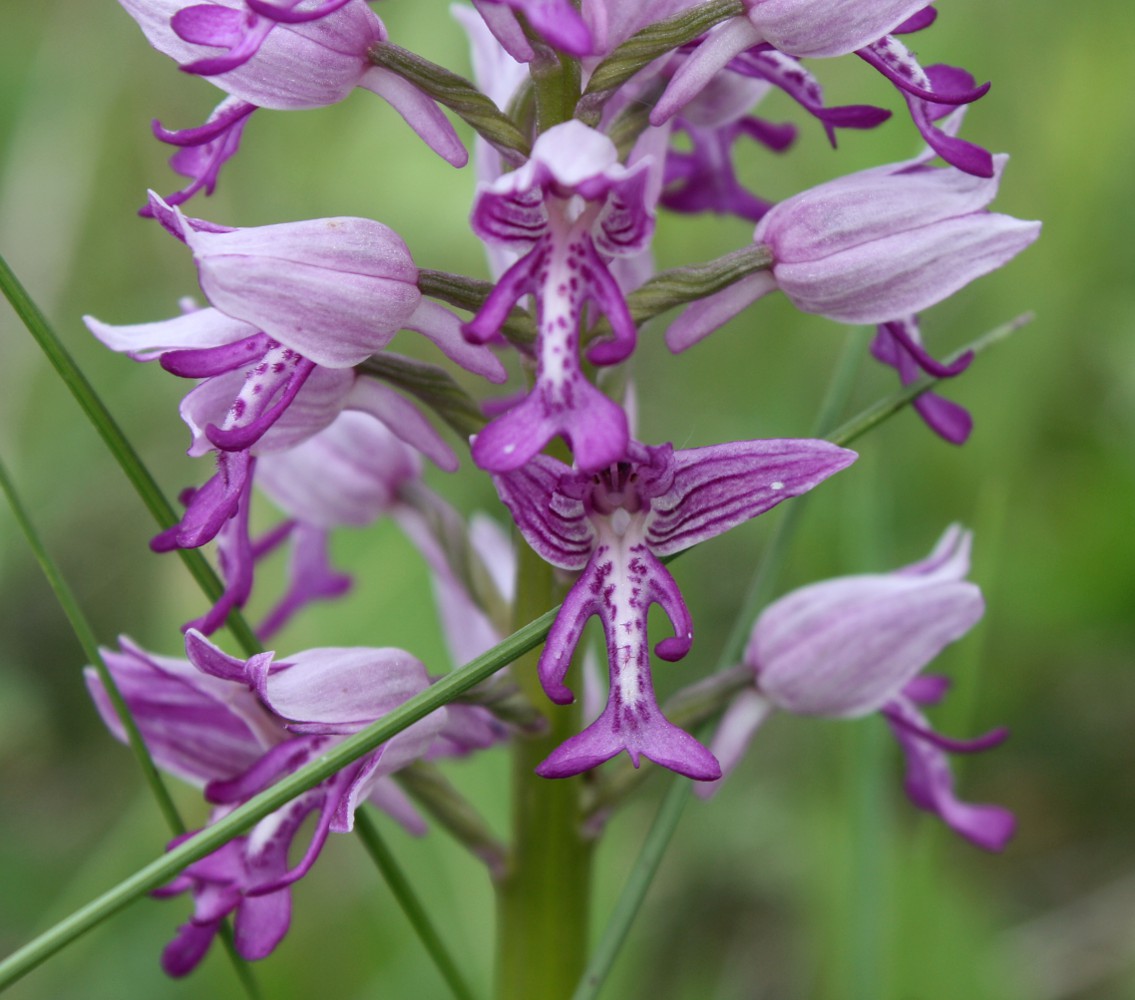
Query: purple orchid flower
[773,35]
[855,645]
[899,345]
[287,55]
[234,727]
[572,207]
[556,21]
[871,246]
[293,308]
[615,526]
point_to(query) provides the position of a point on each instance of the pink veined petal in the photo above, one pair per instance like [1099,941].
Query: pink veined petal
[419,112]
[234,554]
[189,946]
[349,474]
[824,28]
[851,654]
[209,506]
[343,686]
[735,732]
[409,745]
[582,601]
[559,23]
[719,487]
[594,426]
[907,272]
[311,578]
[930,785]
[196,330]
[278,761]
[502,22]
[403,419]
[559,531]
[714,53]
[335,290]
[655,738]
[443,328]
[292,14]
[869,206]
[261,923]
[699,320]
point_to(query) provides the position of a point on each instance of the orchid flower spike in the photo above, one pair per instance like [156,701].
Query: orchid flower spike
[855,645]
[616,525]
[571,207]
[871,246]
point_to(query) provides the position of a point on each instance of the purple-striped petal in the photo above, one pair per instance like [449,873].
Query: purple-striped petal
[718,487]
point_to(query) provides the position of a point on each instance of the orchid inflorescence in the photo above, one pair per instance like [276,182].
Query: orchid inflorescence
[295,393]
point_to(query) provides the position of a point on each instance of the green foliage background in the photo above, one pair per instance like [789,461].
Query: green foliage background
[809,876]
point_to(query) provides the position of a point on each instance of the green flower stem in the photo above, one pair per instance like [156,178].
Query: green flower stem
[404,893]
[161,870]
[117,444]
[556,85]
[543,899]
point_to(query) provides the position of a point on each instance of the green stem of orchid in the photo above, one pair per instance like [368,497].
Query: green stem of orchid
[543,899]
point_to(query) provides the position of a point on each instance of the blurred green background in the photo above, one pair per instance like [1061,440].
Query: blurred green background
[809,876]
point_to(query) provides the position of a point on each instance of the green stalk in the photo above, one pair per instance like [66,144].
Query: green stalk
[86,636]
[543,900]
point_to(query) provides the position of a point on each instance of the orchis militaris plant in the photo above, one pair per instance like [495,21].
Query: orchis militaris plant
[594,122]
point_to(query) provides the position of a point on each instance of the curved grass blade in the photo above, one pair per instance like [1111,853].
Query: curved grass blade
[416,913]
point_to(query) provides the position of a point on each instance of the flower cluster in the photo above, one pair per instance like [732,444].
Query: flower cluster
[296,391]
